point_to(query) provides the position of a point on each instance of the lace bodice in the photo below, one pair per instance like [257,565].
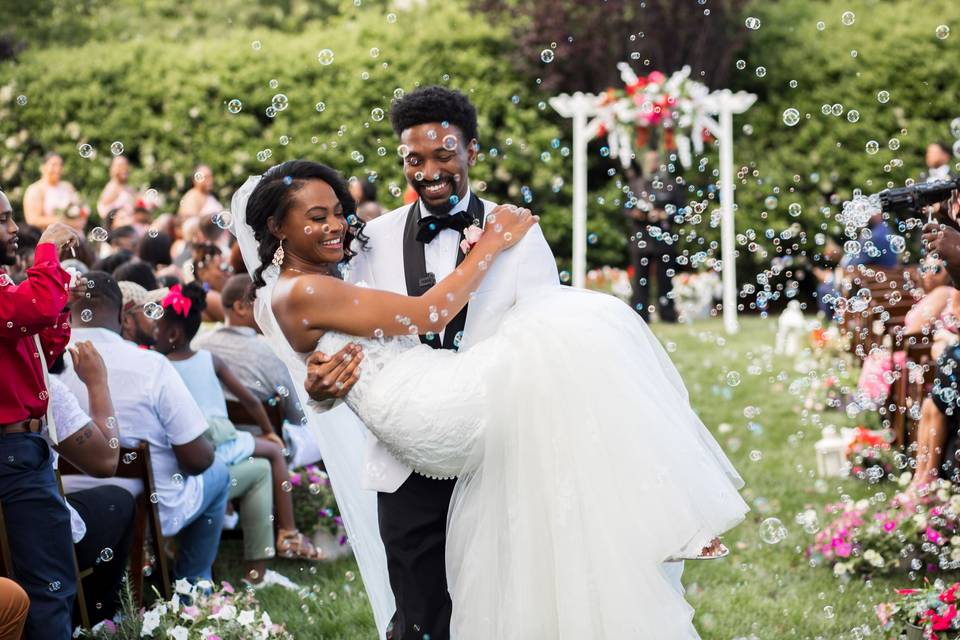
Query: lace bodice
[422,404]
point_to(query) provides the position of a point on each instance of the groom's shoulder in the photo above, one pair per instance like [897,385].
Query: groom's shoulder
[387,223]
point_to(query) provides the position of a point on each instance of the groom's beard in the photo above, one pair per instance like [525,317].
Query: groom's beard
[420,186]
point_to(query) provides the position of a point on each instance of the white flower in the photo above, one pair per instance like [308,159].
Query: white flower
[839,569]
[246,618]
[904,479]
[920,520]
[862,505]
[178,633]
[151,620]
[955,555]
[228,612]
[175,603]
[183,586]
[265,619]
[873,558]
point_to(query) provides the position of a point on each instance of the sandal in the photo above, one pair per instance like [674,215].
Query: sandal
[295,546]
[713,551]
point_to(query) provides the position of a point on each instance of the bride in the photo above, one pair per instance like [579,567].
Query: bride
[581,466]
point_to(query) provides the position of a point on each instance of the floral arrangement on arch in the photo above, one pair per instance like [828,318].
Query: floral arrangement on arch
[202,610]
[917,532]
[628,115]
[314,507]
[929,613]
[870,455]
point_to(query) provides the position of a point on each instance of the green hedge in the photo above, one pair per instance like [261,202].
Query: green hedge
[166,101]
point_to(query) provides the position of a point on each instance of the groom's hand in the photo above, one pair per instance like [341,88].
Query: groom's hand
[333,376]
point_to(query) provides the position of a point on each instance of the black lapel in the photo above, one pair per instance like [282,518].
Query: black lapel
[454,330]
[415,264]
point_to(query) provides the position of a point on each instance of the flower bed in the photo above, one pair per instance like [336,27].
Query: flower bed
[200,611]
[314,507]
[870,455]
[929,613]
[912,532]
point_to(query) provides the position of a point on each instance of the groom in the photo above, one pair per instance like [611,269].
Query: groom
[410,249]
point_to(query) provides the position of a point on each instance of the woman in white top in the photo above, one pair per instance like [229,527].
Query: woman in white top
[199,201]
[51,199]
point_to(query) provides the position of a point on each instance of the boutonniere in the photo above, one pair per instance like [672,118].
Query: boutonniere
[471,236]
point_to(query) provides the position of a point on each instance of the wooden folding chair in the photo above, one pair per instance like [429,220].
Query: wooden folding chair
[135,464]
[274,408]
[909,390]
[6,564]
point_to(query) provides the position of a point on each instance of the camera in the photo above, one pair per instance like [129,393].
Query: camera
[917,196]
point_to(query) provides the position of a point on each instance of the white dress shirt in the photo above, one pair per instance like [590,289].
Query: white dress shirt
[69,418]
[152,405]
[440,254]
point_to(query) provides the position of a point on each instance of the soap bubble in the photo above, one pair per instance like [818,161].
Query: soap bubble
[547,55]
[153,310]
[116,148]
[321,107]
[791,117]
[772,531]
[99,234]
[325,57]
[377,114]
[223,219]
[943,32]
[280,102]
[883,97]
[733,378]
[22,100]
[853,115]
[893,144]
[752,23]
[106,555]
[86,315]
[761,72]
[234,106]
[255,45]
[872,147]
[450,142]
[86,150]
[848,18]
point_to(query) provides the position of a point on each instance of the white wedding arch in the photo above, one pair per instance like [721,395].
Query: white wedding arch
[684,106]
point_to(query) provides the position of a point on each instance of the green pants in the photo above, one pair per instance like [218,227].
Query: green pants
[251,483]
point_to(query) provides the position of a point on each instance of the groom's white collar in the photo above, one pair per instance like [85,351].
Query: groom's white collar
[457,208]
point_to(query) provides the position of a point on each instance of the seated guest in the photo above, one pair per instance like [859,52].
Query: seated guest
[136,271]
[137,326]
[101,518]
[211,270]
[14,605]
[34,329]
[203,374]
[112,262]
[934,314]
[874,251]
[125,238]
[117,201]
[52,199]
[199,200]
[248,355]
[154,406]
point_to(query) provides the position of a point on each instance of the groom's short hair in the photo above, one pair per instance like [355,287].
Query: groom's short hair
[434,104]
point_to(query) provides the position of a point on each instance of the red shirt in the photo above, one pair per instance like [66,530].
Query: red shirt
[35,306]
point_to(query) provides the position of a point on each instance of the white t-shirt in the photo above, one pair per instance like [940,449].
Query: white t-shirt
[152,405]
[70,418]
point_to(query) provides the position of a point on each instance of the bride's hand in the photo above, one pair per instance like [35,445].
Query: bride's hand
[507,224]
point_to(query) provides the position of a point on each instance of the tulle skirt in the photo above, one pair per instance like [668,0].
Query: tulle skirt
[590,470]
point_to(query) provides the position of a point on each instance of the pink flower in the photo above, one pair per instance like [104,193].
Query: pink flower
[889,526]
[844,550]
[227,587]
[471,236]
[109,626]
[933,535]
[295,479]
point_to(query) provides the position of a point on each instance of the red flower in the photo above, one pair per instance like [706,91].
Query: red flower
[656,77]
[950,595]
[942,623]
[633,87]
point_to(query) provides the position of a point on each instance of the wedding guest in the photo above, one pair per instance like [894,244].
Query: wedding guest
[155,250]
[50,198]
[138,271]
[938,157]
[27,239]
[211,270]
[101,518]
[32,318]
[154,406]
[204,373]
[125,238]
[240,345]
[656,198]
[118,199]
[113,261]
[143,214]
[364,193]
[137,326]
[199,200]
[190,236]
[14,605]
[237,265]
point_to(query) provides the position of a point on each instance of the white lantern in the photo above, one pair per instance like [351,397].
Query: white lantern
[831,461]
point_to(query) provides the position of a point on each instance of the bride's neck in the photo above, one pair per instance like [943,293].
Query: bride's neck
[297,264]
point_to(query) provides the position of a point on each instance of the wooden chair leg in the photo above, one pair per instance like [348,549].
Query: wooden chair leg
[6,564]
[156,539]
[137,552]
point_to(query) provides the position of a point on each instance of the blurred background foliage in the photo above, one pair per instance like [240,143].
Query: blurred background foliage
[158,76]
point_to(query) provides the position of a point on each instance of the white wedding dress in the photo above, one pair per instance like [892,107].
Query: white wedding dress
[581,467]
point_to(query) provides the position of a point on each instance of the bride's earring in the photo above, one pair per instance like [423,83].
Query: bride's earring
[278,256]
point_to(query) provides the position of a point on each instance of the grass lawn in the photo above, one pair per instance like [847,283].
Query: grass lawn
[760,591]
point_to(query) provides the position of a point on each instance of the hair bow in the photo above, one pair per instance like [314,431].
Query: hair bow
[177,301]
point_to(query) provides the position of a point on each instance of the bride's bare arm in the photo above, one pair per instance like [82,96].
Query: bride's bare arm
[316,303]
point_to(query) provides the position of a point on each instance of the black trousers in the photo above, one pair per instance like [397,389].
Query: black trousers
[645,266]
[413,526]
[108,513]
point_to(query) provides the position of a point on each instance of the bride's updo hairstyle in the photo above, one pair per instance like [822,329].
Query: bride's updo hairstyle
[273,195]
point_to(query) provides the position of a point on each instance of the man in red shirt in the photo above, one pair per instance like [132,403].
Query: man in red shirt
[36,518]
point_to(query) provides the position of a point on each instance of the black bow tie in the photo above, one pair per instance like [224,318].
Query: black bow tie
[431,226]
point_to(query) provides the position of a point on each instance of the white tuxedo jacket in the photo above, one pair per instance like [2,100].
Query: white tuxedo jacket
[524,267]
